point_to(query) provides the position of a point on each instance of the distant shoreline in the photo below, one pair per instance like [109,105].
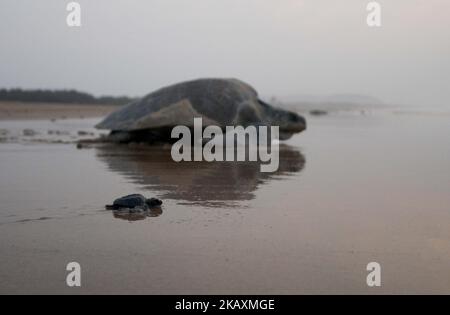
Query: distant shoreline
[35,110]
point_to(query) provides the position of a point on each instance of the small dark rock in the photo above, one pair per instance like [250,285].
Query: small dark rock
[85,133]
[58,132]
[29,132]
[318,112]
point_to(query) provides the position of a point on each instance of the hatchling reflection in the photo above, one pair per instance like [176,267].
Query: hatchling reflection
[137,216]
[207,184]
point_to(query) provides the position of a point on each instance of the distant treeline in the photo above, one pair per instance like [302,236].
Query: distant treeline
[60,96]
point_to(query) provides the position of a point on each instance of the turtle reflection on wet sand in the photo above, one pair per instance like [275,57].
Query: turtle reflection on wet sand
[137,216]
[210,184]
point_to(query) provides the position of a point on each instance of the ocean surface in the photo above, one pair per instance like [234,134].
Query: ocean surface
[356,187]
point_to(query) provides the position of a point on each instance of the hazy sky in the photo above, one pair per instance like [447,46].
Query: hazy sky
[282,47]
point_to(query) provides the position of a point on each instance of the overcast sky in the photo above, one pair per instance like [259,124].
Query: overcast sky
[281,47]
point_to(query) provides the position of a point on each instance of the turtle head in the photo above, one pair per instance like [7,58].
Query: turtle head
[287,121]
[153,202]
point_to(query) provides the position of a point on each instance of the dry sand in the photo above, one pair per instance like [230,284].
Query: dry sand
[27,111]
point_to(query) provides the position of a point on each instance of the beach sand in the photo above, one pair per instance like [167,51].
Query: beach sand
[27,111]
[352,189]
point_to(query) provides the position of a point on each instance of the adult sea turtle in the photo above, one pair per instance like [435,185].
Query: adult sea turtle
[220,102]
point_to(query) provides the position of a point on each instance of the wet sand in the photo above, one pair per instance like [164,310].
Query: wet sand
[350,190]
